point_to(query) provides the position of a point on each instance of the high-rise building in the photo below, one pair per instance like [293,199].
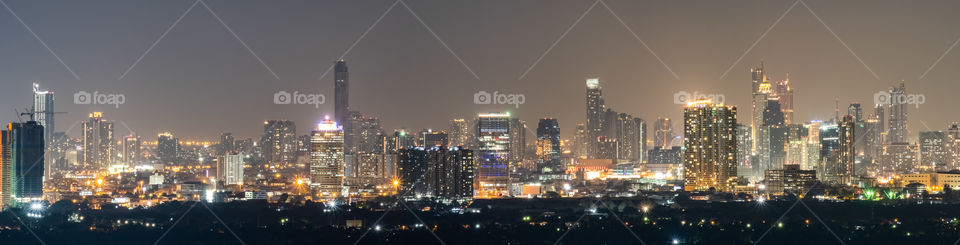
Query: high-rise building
[663,132]
[341,83]
[21,163]
[459,133]
[412,167]
[131,154]
[933,152]
[745,168]
[428,138]
[710,146]
[436,172]
[168,147]
[898,131]
[848,151]
[760,91]
[855,111]
[580,141]
[493,172]
[230,169]
[900,158]
[279,141]
[43,111]
[672,155]
[785,96]
[548,147]
[371,136]
[226,144]
[595,111]
[518,141]
[98,142]
[327,159]
[953,146]
[460,176]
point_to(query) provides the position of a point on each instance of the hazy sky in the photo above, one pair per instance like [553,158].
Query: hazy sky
[199,80]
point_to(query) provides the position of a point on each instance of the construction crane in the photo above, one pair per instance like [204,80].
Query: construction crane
[32,112]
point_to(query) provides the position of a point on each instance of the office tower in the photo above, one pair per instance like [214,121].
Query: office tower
[830,159]
[710,146]
[548,147]
[226,144]
[785,96]
[98,142]
[428,138]
[493,170]
[933,152]
[22,148]
[371,136]
[42,111]
[518,141]
[628,136]
[791,179]
[641,139]
[352,130]
[759,93]
[855,111]
[879,113]
[848,152]
[341,83]
[813,147]
[279,141]
[744,141]
[461,163]
[168,147]
[953,146]
[580,143]
[459,132]
[230,169]
[131,150]
[663,132]
[872,137]
[326,159]
[900,158]
[898,132]
[595,113]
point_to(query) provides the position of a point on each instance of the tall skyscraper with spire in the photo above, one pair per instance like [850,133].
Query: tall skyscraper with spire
[760,92]
[341,83]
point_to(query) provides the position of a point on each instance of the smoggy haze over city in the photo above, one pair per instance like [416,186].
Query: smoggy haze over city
[200,81]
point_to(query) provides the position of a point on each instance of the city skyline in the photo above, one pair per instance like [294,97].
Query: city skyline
[652,82]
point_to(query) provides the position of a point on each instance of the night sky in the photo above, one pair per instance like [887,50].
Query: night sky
[200,81]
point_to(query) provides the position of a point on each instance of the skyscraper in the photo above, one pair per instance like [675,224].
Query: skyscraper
[953,146]
[759,93]
[226,144]
[663,132]
[326,159]
[785,95]
[710,146]
[595,111]
[279,141]
[43,111]
[493,172]
[518,141]
[898,116]
[98,142]
[548,147]
[230,169]
[459,133]
[933,151]
[341,83]
[168,147]
[22,148]
[131,150]
[428,139]
[848,151]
